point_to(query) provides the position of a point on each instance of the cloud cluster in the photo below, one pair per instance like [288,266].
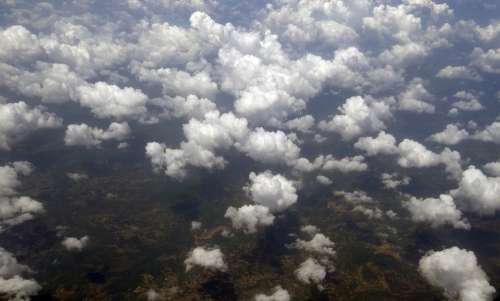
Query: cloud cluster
[12,284]
[310,271]
[458,273]
[211,259]
[90,137]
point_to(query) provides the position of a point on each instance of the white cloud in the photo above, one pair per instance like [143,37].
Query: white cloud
[190,106]
[15,209]
[382,144]
[75,244]
[319,244]
[302,124]
[279,294]
[310,271]
[437,212]
[358,116]
[393,181]
[488,61]
[84,135]
[77,177]
[12,284]
[270,147]
[345,165]
[19,119]
[355,197]
[451,135]
[414,154]
[18,44]
[467,102]
[250,217]
[491,133]
[478,193]
[492,168]
[416,98]
[372,213]
[324,180]
[272,191]
[211,259]
[111,101]
[458,72]
[458,273]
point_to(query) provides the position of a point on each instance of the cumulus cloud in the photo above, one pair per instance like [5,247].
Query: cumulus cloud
[250,217]
[75,244]
[15,209]
[372,213]
[310,271]
[382,144]
[77,177]
[358,116]
[279,294]
[84,135]
[466,101]
[302,124]
[355,197]
[458,72]
[12,284]
[477,192]
[416,98]
[490,133]
[19,119]
[272,191]
[451,135]
[323,180]
[487,61]
[345,165]
[436,212]
[319,244]
[458,273]
[393,180]
[207,258]
[110,101]
[492,168]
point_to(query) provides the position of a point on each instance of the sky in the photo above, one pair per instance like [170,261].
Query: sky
[307,90]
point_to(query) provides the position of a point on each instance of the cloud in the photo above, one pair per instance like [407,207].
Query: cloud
[416,98]
[355,197]
[211,259]
[477,192]
[111,101]
[310,271]
[272,191]
[490,133]
[467,102]
[492,168]
[12,284]
[451,135]
[436,212]
[75,244]
[319,244]
[345,165]
[324,180]
[458,273]
[372,213]
[19,119]
[358,116]
[393,180]
[279,294]
[190,106]
[84,135]
[486,61]
[382,144]
[15,209]
[302,124]
[250,217]
[458,72]
[77,177]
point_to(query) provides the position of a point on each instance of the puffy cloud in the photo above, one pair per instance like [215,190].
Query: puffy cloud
[358,116]
[372,213]
[302,124]
[323,180]
[19,119]
[15,209]
[75,244]
[345,165]
[310,271]
[111,101]
[382,144]
[492,168]
[414,154]
[416,98]
[279,294]
[319,244]
[12,284]
[451,135]
[270,147]
[458,72]
[478,193]
[84,135]
[393,181]
[437,212]
[491,133]
[488,61]
[467,102]
[355,197]
[19,44]
[250,217]
[458,273]
[211,259]
[190,106]
[272,191]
